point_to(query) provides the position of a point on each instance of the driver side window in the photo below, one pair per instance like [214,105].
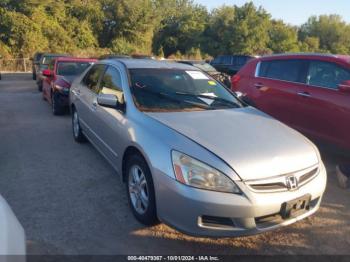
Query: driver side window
[92,77]
[111,83]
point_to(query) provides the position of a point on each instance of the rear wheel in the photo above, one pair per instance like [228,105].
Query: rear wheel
[77,132]
[57,108]
[141,190]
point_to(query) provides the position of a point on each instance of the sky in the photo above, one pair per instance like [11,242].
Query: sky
[295,12]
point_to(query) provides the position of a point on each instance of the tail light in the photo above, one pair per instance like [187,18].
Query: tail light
[234,81]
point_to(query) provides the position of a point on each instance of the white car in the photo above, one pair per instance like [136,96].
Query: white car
[12,236]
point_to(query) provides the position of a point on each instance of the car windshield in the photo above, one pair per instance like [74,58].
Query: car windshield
[205,67]
[46,60]
[71,68]
[159,90]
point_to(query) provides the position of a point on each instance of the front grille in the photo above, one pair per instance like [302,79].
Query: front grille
[308,176]
[279,183]
[269,186]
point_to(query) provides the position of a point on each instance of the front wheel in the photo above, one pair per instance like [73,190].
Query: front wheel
[57,108]
[141,190]
[77,132]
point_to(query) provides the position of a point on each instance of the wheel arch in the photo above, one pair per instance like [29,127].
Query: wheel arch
[129,151]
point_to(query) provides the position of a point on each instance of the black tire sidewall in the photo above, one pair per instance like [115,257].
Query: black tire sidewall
[56,107]
[150,216]
[80,138]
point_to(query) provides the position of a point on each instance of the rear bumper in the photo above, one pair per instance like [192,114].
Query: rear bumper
[207,213]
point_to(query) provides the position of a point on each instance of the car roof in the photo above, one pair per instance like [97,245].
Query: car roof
[345,58]
[51,54]
[75,59]
[192,61]
[132,63]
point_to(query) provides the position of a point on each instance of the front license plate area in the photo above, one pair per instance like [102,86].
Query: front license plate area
[295,207]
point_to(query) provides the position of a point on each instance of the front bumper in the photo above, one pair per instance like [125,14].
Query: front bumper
[214,214]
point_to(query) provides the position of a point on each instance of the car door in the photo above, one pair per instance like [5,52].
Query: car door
[324,108]
[275,87]
[110,122]
[86,103]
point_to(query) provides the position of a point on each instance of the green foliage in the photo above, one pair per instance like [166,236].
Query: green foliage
[181,30]
[333,33]
[283,38]
[176,28]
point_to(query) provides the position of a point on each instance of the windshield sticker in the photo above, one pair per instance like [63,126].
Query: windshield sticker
[212,83]
[207,100]
[197,75]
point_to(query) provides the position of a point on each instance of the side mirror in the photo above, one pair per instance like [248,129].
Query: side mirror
[344,86]
[47,73]
[107,100]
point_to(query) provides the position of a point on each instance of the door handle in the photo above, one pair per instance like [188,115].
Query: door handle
[304,94]
[259,85]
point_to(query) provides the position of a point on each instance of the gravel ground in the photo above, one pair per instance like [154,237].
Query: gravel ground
[70,201]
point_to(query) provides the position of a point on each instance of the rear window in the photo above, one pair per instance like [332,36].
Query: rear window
[287,70]
[72,68]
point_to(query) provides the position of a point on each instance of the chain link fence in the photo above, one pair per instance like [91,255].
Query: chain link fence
[16,65]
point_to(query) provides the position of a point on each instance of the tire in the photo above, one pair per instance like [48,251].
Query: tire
[140,190]
[40,86]
[77,132]
[57,108]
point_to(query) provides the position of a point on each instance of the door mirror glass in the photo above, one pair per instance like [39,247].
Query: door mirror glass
[344,86]
[107,100]
[47,73]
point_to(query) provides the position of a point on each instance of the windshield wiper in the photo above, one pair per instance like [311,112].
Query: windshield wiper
[214,98]
[202,105]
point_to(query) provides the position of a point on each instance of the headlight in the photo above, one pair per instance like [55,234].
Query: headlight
[194,173]
[62,89]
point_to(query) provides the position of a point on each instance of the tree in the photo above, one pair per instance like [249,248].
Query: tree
[238,30]
[182,31]
[218,34]
[333,33]
[283,38]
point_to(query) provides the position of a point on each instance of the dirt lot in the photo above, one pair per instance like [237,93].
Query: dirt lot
[70,201]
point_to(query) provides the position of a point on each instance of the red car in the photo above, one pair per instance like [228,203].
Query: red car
[58,78]
[309,92]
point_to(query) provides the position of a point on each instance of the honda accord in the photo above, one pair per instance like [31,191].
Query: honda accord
[191,154]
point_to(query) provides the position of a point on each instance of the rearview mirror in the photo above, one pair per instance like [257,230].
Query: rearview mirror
[47,73]
[344,86]
[107,100]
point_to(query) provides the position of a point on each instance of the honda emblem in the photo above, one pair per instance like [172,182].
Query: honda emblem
[292,183]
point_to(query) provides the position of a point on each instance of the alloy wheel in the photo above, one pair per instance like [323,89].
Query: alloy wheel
[138,189]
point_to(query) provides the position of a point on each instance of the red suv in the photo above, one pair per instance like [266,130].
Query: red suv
[310,92]
[58,78]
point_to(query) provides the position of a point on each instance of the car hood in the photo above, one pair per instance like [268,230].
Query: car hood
[254,144]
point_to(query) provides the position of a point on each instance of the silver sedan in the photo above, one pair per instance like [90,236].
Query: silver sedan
[191,153]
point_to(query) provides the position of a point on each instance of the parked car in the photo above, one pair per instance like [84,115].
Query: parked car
[58,79]
[44,64]
[205,67]
[12,237]
[230,64]
[309,92]
[191,154]
[35,63]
